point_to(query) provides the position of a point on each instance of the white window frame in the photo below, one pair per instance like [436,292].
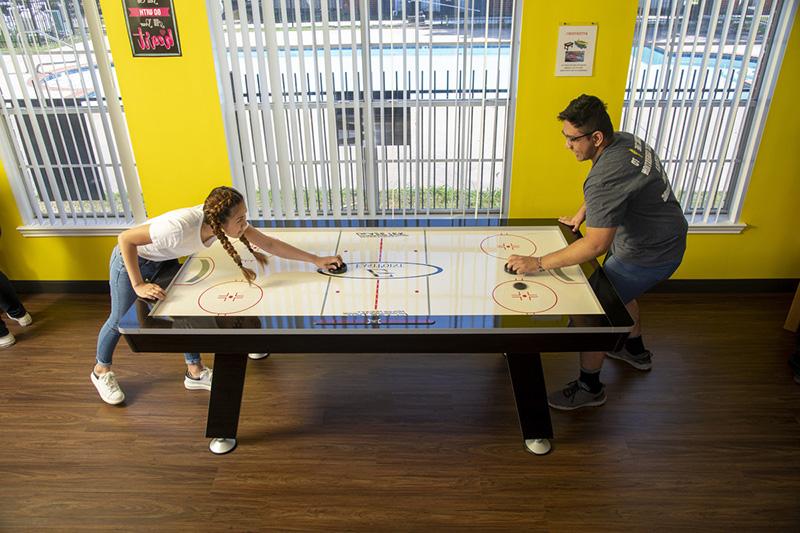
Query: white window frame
[262,160]
[655,94]
[70,216]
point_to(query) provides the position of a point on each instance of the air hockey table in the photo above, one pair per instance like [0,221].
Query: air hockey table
[411,286]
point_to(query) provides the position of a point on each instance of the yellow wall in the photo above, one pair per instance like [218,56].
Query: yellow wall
[175,123]
[546,179]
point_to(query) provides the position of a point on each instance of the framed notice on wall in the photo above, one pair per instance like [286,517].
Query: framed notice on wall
[152,28]
[575,50]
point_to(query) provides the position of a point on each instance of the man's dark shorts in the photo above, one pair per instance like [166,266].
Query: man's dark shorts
[631,281]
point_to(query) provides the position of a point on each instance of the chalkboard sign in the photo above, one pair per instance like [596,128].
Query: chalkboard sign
[152,28]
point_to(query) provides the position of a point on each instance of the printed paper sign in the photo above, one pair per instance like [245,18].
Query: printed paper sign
[575,51]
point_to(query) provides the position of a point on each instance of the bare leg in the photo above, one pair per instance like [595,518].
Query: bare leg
[594,360]
[195,369]
[633,309]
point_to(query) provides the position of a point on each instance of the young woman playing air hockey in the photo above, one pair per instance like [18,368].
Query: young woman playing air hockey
[142,251]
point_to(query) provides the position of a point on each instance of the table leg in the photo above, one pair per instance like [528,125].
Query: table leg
[527,379]
[226,401]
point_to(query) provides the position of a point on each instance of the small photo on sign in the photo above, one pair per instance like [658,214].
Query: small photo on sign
[574,57]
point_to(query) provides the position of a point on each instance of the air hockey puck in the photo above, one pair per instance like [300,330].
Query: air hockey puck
[341,269]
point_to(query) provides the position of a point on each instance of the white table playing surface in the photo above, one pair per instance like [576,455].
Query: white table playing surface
[390,272]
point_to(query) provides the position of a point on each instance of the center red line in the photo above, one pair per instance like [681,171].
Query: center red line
[378,281]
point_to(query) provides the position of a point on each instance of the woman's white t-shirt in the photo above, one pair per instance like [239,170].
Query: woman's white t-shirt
[175,234]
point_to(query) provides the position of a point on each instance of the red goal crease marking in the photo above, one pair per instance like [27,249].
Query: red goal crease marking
[501,244]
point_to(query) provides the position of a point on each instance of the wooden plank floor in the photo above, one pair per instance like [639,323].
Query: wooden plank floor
[709,440]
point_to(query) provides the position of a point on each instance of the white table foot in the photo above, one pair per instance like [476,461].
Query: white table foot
[222,446]
[538,446]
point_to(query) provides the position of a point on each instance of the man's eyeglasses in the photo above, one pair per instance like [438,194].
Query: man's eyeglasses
[572,138]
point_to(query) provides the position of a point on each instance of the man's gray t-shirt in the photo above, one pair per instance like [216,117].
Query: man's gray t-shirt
[628,189]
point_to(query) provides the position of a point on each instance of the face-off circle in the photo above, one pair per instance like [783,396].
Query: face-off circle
[504,245]
[536,298]
[230,297]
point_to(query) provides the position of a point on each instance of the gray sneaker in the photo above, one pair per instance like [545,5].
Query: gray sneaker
[576,395]
[643,361]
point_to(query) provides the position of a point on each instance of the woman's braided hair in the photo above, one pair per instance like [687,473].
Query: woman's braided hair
[216,211]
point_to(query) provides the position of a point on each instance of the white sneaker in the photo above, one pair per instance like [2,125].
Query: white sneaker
[257,355]
[7,341]
[24,320]
[199,383]
[106,384]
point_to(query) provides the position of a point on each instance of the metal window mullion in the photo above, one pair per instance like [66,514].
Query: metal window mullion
[418,185]
[394,145]
[366,58]
[74,141]
[267,111]
[323,168]
[333,147]
[241,135]
[718,125]
[471,109]
[510,101]
[357,115]
[509,147]
[638,59]
[111,204]
[398,157]
[383,163]
[104,173]
[223,49]
[680,178]
[307,127]
[735,102]
[132,202]
[694,115]
[295,147]
[34,126]
[483,103]
[649,69]
[239,106]
[86,123]
[662,87]
[431,114]
[460,115]
[9,150]
[447,133]
[701,135]
[92,130]
[769,80]
[348,162]
[759,103]
[403,169]
[276,111]
[114,119]
[69,167]
[675,71]
[714,82]
[252,109]
[715,159]
[45,114]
